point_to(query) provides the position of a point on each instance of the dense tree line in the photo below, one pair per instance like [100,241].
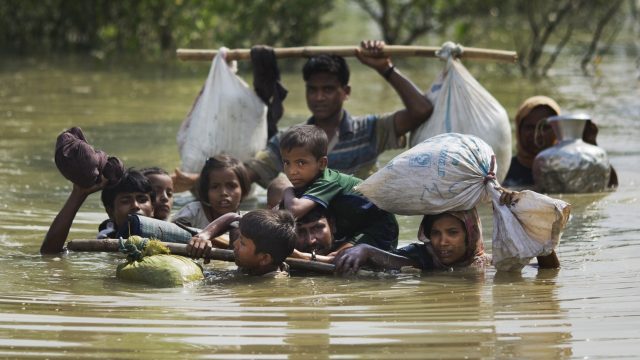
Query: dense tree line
[154,26]
[538,30]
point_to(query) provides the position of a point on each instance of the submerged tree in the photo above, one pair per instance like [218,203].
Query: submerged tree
[540,30]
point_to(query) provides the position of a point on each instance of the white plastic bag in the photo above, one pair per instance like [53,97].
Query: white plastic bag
[227,117]
[528,227]
[462,105]
[443,173]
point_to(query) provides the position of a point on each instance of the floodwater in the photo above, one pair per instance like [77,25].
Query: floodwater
[73,306]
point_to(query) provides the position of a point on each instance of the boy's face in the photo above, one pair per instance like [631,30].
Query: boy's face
[163,187]
[301,167]
[315,235]
[244,251]
[130,203]
[325,95]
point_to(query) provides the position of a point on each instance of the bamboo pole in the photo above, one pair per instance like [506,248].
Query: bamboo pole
[113,245]
[389,50]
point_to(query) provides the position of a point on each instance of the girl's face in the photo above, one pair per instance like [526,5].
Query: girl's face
[224,193]
[163,187]
[448,238]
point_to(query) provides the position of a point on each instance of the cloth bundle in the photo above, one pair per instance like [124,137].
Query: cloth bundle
[81,164]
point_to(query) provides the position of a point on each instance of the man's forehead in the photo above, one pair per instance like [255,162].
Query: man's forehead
[322,220]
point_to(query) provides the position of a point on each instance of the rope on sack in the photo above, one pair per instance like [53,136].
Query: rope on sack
[491,175]
[450,50]
[133,251]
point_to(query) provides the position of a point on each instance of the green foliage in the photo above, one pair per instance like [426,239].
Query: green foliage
[154,27]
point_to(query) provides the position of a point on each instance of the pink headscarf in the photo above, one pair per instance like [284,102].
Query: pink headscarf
[474,254]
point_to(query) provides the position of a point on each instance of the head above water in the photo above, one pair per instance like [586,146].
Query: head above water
[272,235]
[234,183]
[162,185]
[133,194]
[532,133]
[303,149]
[314,232]
[453,238]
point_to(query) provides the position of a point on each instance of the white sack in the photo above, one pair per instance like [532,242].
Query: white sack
[227,117]
[462,105]
[528,227]
[443,173]
[452,172]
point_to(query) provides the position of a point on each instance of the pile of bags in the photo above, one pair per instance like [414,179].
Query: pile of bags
[452,172]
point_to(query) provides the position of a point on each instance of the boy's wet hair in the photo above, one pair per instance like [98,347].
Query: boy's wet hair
[153,170]
[132,181]
[310,137]
[273,232]
[223,161]
[332,64]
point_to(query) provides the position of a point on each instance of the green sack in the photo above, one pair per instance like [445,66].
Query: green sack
[161,270]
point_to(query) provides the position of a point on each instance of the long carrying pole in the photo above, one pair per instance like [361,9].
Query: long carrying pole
[391,50]
[113,245]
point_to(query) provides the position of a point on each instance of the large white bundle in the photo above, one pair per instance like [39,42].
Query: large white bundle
[462,105]
[443,173]
[452,172]
[528,227]
[227,117]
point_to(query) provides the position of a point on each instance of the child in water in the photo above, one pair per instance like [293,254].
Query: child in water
[265,239]
[163,190]
[223,185]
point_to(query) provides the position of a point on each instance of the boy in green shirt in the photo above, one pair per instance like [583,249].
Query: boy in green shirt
[357,220]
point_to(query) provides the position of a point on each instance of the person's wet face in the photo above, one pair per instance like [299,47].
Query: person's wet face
[325,95]
[448,238]
[314,235]
[535,134]
[163,188]
[244,252]
[131,203]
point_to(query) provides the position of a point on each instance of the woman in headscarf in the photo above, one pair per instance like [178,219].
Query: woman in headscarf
[449,240]
[533,135]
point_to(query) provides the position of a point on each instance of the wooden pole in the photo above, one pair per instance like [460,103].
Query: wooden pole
[390,50]
[113,245]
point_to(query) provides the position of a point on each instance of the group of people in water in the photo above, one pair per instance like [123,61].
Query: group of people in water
[313,212]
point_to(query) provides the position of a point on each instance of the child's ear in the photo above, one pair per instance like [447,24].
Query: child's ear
[324,161]
[265,259]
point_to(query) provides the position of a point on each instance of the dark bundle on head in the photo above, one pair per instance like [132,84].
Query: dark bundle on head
[310,137]
[81,164]
[223,161]
[332,64]
[272,232]
[132,181]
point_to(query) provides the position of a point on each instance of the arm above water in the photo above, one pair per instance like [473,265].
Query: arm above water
[417,107]
[55,238]
[351,259]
